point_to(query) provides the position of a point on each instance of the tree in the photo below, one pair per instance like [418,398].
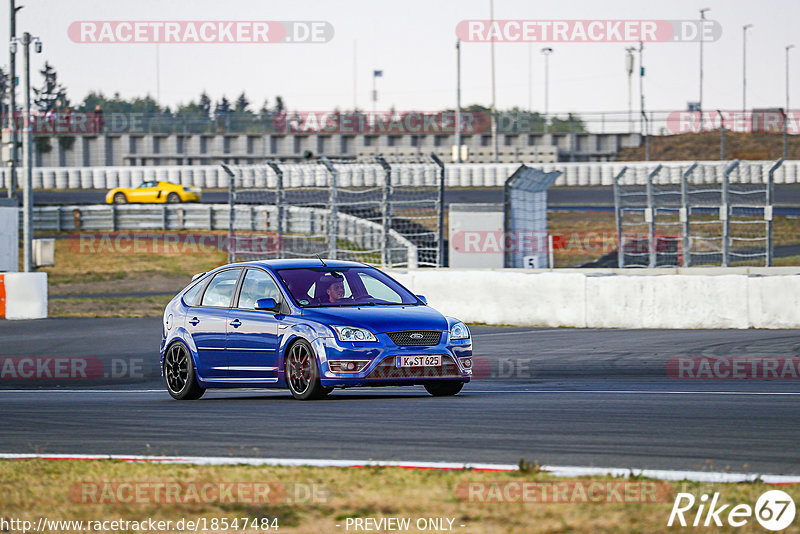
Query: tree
[279,106]
[205,103]
[242,104]
[223,107]
[52,94]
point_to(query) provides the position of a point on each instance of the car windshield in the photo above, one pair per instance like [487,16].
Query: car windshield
[344,286]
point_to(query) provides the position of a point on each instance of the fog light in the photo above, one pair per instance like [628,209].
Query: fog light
[466,363]
[349,366]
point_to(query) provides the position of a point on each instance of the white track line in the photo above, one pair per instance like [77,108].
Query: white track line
[561,471]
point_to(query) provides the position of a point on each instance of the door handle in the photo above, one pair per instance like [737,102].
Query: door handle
[236,323]
[194,321]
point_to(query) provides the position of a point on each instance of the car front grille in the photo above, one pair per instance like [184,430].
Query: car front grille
[386,369]
[415,338]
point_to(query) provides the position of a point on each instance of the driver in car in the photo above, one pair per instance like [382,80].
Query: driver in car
[335,290]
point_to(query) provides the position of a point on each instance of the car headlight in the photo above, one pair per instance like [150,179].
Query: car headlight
[459,331]
[351,333]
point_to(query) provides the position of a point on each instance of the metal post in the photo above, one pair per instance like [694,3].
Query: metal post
[547,51]
[768,209]
[786,112]
[721,136]
[231,212]
[27,199]
[618,218]
[725,212]
[629,68]
[333,209]
[12,101]
[650,218]
[744,66]
[458,100]
[685,213]
[494,94]
[386,212]
[440,226]
[279,197]
[702,28]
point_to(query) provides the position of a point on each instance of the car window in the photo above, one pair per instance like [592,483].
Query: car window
[147,184]
[257,285]
[220,289]
[192,297]
[378,290]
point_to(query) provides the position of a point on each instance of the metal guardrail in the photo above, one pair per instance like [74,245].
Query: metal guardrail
[166,217]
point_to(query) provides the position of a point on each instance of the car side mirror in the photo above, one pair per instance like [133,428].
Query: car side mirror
[267,305]
[423,299]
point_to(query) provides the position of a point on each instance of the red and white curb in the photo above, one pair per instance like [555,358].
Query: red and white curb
[559,471]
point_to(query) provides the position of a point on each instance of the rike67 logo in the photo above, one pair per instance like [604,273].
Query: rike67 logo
[774,510]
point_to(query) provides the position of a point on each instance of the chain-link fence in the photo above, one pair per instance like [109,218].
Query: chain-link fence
[702,215]
[379,210]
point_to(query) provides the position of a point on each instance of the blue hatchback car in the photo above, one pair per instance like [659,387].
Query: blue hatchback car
[311,326]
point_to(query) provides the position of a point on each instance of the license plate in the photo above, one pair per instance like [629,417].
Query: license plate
[418,361]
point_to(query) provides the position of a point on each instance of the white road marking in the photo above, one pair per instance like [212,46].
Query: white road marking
[561,471]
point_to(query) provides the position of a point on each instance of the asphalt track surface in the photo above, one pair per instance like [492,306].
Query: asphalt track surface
[576,198]
[557,396]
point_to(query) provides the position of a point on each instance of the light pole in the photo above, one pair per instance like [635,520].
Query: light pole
[629,67]
[786,112]
[702,26]
[744,66]
[458,100]
[494,94]
[645,126]
[546,52]
[12,105]
[27,152]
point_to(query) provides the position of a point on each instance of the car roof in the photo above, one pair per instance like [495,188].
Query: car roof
[298,263]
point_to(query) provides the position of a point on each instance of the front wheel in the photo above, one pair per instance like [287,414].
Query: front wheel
[120,198]
[179,374]
[444,389]
[302,372]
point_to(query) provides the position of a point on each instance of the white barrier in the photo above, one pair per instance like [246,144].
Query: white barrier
[577,174]
[594,298]
[25,295]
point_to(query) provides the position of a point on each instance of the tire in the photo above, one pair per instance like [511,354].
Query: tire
[120,198]
[179,375]
[173,198]
[446,388]
[302,372]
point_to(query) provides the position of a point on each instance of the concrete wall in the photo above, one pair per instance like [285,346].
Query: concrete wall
[25,296]
[598,298]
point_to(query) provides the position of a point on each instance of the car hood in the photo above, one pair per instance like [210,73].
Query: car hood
[380,319]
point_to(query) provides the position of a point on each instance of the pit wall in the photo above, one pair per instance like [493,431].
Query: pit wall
[611,298]
[23,295]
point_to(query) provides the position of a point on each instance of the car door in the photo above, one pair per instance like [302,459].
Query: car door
[207,324]
[252,339]
[144,193]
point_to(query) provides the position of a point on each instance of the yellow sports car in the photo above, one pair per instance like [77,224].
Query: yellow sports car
[154,192]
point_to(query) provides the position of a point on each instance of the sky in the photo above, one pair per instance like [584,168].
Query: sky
[413,43]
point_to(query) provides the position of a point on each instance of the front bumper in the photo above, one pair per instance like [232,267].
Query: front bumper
[381,370]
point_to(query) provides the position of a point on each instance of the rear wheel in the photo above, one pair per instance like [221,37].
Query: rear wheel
[173,198]
[120,198]
[445,388]
[179,374]
[302,372]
